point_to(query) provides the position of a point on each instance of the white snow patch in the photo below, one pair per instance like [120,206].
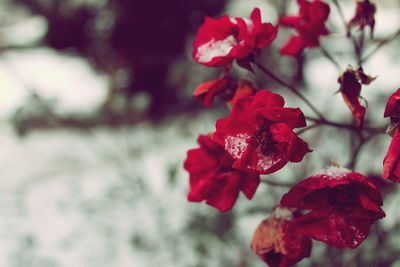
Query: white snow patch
[283,213]
[215,48]
[334,172]
[266,161]
[236,145]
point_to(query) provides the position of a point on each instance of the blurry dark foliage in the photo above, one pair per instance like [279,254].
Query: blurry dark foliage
[139,39]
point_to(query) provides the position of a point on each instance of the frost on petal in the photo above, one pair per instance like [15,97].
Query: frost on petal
[283,213]
[266,162]
[334,172]
[215,48]
[236,145]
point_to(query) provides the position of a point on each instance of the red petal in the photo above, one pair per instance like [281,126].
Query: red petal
[339,230]
[391,166]
[293,47]
[393,105]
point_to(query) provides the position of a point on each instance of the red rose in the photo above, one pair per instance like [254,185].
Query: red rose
[351,82]
[212,177]
[391,163]
[220,41]
[343,205]
[309,24]
[277,243]
[364,16]
[391,166]
[259,135]
[392,108]
[226,89]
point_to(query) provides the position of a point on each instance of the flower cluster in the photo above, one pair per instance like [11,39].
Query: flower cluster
[309,25]
[220,41]
[342,204]
[260,135]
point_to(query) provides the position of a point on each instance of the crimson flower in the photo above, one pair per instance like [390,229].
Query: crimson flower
[364,16]
[350,87]
[277,243]
[343,205]
[212,177]
[226,89]
[391,166]
[220,41]
[258,133]
[309,24]
[392,108]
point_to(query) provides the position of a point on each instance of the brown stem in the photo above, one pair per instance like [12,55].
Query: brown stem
[341,14]
[291,88]
[330,57]
[349,127]
[357,47]
[380,45]
[279,184]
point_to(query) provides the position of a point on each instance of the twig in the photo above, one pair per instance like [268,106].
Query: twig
[291,88]
[279,184]
[349,127]
[330,57]
[380,45]
[357,48]
[307,128]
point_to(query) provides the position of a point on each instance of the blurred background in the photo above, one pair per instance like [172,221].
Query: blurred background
[96,116]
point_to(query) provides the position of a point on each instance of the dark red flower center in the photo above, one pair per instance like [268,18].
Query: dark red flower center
[229,91]
[343,196]
[265,139]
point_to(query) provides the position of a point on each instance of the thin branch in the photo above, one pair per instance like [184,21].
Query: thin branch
[349,127]
[307,129]
[279,184]
[357,48]
[356,151]
[341,13]
[330,57]
[380,45]
[291,88]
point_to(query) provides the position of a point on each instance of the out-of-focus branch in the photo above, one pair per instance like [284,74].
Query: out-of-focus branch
[382,43]
[349,127]
[291,88]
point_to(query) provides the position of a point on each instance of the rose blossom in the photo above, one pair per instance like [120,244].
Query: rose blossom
[212,177]
[277,243]
[220,41]
[309,24]
[343,205]
[258,133]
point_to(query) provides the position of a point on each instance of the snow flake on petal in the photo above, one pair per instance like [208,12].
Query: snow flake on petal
[266,161]
[215,48]
[236,145]
[334,172]
[283,213]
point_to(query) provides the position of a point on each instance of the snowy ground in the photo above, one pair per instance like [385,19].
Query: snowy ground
[116,197]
